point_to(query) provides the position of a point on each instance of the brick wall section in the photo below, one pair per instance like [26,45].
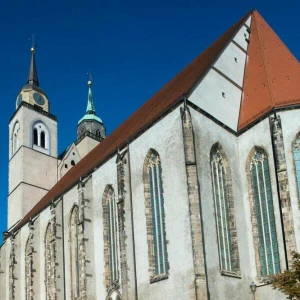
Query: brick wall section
[284,190]
[124,278]
[199,286]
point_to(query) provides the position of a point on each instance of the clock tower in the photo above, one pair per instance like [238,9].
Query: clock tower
[32,148]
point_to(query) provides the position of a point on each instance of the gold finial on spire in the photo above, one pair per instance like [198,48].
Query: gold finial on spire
[33,44]
[90,77]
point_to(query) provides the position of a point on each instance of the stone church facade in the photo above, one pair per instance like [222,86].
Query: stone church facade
[195,196]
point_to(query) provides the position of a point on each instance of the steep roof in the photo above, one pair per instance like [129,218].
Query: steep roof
[272,75]
[261,90]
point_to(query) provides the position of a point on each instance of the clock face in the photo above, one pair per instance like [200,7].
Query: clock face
[19,99]
[38,98]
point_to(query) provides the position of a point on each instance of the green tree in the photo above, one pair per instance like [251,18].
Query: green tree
[288,282]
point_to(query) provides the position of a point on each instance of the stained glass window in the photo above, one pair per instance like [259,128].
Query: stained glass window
[297,163]
[264,211]
[112,233]
[158,215]
[219,178]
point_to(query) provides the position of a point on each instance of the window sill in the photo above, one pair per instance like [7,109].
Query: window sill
[264,281]
[230,274]
[160,277]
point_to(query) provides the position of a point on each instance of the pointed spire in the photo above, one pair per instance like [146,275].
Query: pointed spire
[90,109]
[32,76]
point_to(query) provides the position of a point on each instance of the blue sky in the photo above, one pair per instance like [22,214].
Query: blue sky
[132,48]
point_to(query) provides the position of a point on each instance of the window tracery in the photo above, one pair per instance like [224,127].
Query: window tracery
[222,213]
[157,242]
[297,164]
[264,213]
[74,253]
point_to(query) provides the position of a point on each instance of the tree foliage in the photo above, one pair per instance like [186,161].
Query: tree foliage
[288,282]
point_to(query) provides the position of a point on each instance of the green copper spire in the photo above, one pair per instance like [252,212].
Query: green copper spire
[90,114]
[90,109]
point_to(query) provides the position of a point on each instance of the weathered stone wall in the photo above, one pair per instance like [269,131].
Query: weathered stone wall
[200,284]
[186,174]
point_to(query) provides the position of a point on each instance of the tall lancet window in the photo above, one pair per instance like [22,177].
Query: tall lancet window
[264,212]
[28,270]
[153,186]
[297,163]
[74,253]
[110,235]
[49,264]
[224,211]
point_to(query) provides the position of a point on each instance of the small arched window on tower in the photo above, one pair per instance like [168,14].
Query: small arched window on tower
[40,137]
[15,138]
[43,142]
[35,136]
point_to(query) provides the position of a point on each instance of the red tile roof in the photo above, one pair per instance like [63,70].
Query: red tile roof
[272,75]
[269,82]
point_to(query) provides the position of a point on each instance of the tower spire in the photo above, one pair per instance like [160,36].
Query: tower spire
[90,125]
[32,76]
[90,108]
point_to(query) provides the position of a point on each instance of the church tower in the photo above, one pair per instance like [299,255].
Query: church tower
[32,148]
[90,128]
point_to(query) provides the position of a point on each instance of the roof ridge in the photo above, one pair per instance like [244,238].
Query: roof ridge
[263,59]
[159,104]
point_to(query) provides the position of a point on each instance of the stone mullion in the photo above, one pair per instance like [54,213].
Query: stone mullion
[81,220]
[284,191]
[124,278]
[200,283]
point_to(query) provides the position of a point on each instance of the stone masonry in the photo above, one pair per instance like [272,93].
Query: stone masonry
[283,185]
[199,287]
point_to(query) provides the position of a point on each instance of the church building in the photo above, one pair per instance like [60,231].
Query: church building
[195,196]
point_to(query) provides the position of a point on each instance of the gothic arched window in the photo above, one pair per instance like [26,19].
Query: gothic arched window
[264,213]
[49,264]
[15,138]
[297,163]
[224,211]
[74,253]
[153,187]
[41,137]
[28,270]
[111,235]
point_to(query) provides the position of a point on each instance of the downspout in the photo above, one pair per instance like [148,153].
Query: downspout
[278,192]
[132,224]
